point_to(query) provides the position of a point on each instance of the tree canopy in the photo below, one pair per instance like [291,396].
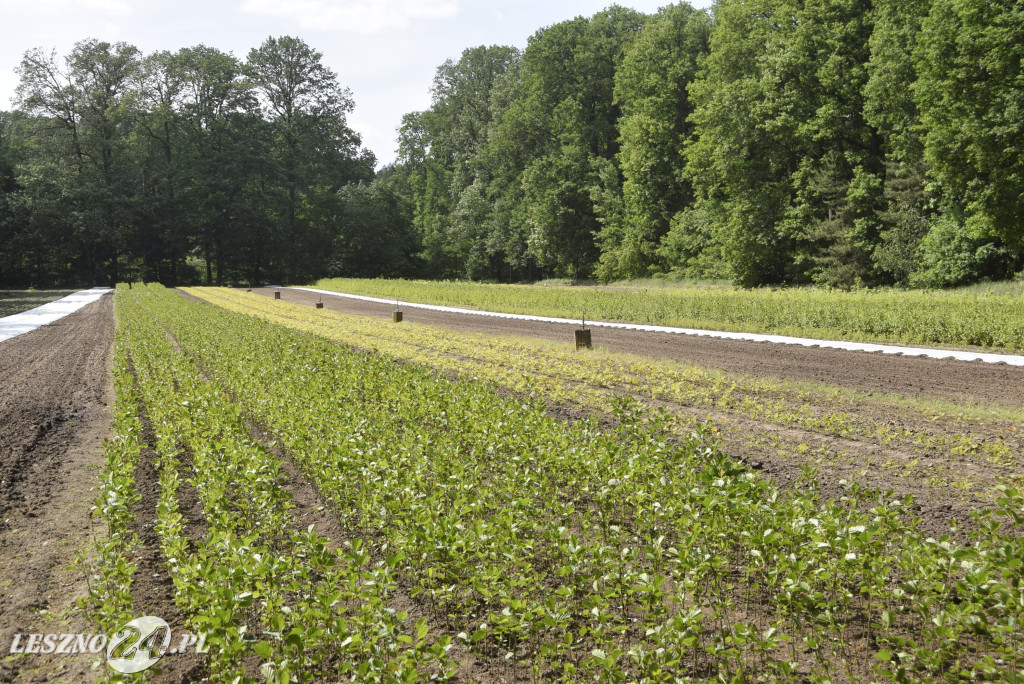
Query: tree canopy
[186,166]
[847,143]
[841,142]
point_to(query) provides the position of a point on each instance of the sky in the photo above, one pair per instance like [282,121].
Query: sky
[385,51]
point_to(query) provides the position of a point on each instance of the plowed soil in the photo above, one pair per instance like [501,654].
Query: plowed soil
[54,404]
[907,376]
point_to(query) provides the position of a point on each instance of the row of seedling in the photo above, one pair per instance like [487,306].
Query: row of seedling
[309,608]
[581,553]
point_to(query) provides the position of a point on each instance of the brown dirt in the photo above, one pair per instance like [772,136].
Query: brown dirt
[55,408]
[310,507]
[780,453]
[907,376]
[934,508]
[858,457]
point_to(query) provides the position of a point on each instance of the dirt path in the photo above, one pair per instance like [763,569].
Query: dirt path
[55,403]
[906,376]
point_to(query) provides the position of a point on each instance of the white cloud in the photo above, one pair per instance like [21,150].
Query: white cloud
[120,8]
[354,16]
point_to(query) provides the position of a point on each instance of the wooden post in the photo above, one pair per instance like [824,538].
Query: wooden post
[319,305]
[277,295]
[583,334]
[583,339]
[397,317]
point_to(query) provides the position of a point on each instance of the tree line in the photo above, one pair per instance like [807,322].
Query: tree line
[841,142]
[193,166]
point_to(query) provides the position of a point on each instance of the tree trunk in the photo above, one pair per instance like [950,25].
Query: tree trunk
[90,269]
[220,264]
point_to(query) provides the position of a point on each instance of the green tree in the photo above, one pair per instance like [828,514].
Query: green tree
[221,149]
[316,153]
[778,107]
[16,255]
[461,105]
[164,237]
[118,165]
[442,150]
[427,183]
[651,87]
[558,129]
[375,236]
[971,97]
[85,111]
[889,107]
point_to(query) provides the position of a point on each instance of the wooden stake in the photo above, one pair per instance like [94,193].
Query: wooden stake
[582,335]
[583,340]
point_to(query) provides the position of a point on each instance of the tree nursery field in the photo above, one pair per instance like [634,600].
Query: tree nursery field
[420,469]
[339,498]
[967,317]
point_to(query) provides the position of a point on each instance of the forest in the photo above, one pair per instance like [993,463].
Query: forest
[843,143]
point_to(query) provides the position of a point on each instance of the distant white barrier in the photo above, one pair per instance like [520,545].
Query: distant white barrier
[1009,359]
[27,321]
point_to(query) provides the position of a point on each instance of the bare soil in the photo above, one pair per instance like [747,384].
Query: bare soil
[312,508]
[55,404]
[907,376]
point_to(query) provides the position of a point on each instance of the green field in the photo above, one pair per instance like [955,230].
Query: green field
[975,317]
[476,538]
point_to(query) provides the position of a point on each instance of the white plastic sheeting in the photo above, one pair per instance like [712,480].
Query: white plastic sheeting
[1008,359]
[26,321]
